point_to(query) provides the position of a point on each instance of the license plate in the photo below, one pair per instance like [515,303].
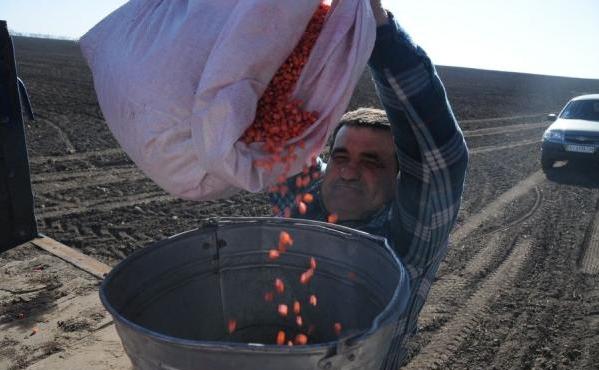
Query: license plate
[580,148]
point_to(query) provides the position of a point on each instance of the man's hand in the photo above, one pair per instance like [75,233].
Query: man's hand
[380,14]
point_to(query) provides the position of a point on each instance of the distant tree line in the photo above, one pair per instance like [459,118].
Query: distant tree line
[40,35]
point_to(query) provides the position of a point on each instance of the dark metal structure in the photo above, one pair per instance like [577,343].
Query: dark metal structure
[172,301]
[17,220]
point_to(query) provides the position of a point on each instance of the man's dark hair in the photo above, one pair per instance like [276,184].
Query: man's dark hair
[375,119]
[372,118]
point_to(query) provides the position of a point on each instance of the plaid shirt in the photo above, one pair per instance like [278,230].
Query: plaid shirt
[432,158]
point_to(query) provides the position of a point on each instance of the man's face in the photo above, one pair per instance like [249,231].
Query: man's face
[361,174]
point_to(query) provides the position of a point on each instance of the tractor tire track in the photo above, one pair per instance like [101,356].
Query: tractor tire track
[517,221]
[50,184]
[445,316]
[77,156]
[446,292]
[109,204]
[450,288]
[492,148]
[62,134]
[475,221]
[472,200]
[499,119]
[590,260]
[447,339]
[104,206]
[548,318]
[503,129]
[86,174]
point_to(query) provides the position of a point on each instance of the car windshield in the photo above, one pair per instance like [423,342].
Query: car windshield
[582,109]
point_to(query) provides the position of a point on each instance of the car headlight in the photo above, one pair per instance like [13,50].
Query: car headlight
[554,135]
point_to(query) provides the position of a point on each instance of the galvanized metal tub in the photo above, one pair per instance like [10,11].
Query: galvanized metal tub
[172,300]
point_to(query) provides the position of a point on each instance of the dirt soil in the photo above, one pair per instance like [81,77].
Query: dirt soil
[519,288]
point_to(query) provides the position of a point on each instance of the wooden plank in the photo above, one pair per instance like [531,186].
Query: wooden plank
[72,256]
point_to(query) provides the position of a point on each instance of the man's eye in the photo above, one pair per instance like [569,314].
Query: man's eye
[339,158]
[372,164]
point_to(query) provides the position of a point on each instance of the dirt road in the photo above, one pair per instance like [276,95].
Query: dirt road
[519,288]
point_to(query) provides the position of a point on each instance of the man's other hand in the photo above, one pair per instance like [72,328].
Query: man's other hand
[380,14]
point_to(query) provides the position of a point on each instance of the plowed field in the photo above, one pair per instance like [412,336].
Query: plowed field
[519,288]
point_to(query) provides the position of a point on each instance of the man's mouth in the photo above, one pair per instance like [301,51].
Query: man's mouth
[347,187]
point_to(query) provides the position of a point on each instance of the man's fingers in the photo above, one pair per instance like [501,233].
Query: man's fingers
[380,14]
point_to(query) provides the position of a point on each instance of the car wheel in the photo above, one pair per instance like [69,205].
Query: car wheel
[547,163]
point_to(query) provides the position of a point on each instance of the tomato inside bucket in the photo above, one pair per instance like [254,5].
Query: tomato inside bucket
[173,301]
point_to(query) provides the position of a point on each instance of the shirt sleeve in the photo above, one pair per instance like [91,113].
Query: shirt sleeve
[430,147]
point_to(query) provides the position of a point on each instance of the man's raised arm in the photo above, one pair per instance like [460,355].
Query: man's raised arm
[430,146]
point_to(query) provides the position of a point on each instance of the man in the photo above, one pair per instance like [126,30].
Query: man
[398,175]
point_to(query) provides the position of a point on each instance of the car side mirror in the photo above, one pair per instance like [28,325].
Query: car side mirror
[552,117]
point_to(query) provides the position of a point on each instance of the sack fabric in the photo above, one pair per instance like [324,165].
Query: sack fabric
[178,82]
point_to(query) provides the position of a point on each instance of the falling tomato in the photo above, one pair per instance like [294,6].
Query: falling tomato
[281,337]
[273,254]
[306,276]
[279,286]
[269,296]
[337,328]
[285,239]
[283,309]
[301,339]
[302,208]
[232,325]
[308,198]
[333,218]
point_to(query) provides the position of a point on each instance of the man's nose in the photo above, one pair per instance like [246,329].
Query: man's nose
[349,171]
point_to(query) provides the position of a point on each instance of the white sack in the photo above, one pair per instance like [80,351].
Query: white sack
[178,82]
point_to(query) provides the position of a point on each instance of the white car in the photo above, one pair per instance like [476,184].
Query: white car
[574,134]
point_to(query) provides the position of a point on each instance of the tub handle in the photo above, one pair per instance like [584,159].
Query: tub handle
[344,353]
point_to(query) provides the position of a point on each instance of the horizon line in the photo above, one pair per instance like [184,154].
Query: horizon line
[69,38]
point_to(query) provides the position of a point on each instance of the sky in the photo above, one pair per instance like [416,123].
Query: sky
[553,37]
